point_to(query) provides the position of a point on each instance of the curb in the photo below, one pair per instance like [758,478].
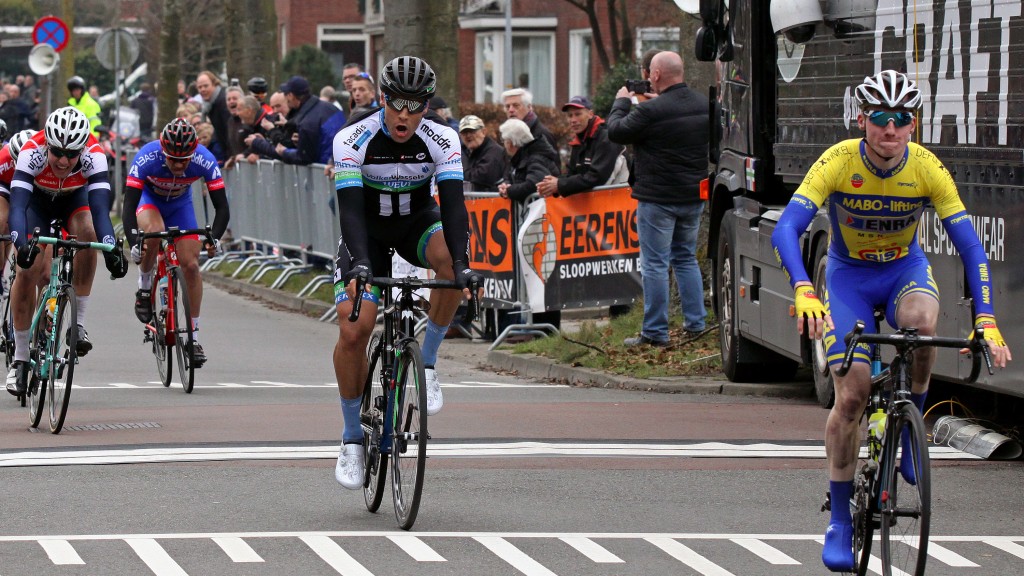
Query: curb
[539,367]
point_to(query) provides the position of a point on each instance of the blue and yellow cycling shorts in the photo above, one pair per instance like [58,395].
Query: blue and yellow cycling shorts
[855,289]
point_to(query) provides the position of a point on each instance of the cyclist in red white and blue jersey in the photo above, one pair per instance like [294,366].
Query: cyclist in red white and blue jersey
[158,195]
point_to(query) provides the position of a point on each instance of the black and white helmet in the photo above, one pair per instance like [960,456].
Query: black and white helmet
[67,128]
[18,140]
[888,89]
[408,77]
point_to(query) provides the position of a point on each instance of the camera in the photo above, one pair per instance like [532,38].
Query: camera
[638,86]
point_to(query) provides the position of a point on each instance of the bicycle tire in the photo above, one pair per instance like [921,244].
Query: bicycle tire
[864,517]
[7,331]
[62,355]
[372,421]
[182,322]
[164,365]
[36,390]
[409,444]
[906,513]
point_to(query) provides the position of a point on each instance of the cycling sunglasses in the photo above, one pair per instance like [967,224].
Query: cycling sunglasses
[398,104]
[881,118]
[65,153]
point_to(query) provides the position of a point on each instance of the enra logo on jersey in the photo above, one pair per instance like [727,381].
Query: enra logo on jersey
[856,181]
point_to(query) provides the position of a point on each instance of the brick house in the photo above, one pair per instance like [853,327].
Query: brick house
[552,51]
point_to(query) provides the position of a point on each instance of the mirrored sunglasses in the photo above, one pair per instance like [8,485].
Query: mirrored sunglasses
[65,153]
[399,104]
[179,159]
[881,118]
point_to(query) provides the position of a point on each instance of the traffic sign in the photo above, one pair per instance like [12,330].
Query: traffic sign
[53,31]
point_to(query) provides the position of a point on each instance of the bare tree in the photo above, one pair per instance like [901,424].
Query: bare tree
[170,51]
[428,30]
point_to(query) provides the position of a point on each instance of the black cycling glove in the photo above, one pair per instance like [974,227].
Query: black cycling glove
[116,263]
[466,277]
[27,255]
[361,271]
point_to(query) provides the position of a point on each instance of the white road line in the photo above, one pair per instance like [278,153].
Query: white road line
[948,557]
[61,552]
[515,557]
[238,550]
[1007,546]
[335,556]
[417,548]
[687,556]
[158,560]
[231,385]
[278,384]
[121,385]
[767,553]
[592,550]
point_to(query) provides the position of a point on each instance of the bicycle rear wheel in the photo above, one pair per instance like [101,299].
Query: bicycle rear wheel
[409,446]
[372,417]
[906,507]
[36,391]
[62,357]
[865,515]
[164,365]
[183,339]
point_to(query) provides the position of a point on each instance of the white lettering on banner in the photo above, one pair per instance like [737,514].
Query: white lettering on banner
[991,230]
[498,289]
[956,38]
[598,268]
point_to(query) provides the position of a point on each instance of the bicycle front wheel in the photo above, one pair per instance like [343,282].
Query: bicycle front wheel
[409,444]
[36,391]
[62,357]
[182,323]
[372,418]
[906,497]
[161,339]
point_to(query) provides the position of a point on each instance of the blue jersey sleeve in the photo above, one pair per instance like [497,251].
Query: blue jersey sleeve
[972,253]
[786,237]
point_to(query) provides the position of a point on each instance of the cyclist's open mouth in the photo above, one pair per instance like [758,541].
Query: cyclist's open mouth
[402,130]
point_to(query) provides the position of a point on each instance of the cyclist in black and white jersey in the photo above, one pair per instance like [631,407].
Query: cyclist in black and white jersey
[384,165]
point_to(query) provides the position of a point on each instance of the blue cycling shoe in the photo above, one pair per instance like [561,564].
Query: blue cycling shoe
[906,461]
[838,552]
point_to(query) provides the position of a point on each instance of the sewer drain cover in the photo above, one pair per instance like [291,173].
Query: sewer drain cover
[125,426]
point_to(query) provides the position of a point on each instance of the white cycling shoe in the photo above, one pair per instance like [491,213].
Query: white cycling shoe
[435,400]
[350,469]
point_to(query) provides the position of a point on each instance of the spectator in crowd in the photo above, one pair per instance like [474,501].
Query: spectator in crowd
[258,87]
[183,95]
[187,110]
[483,159]
[440,109]
[215,111]
[145,103]
[204,133]
[519,104]
[84,102]
[12,109]
[30,92]
[364,97]
[276,129]
[251,116]
[531,159]
[235,145]
[309,115]
[669,135]
[94,91]
[593,158]
[645,74]
[349,73]
[327,94]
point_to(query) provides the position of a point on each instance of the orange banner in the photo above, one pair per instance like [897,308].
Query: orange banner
[490,234]
[594,224]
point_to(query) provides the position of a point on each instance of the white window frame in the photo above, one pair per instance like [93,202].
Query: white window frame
[343,32]
[664,36]
[576,56]
[500,82]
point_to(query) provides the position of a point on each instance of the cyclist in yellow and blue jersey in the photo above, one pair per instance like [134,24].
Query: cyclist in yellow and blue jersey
[877,188]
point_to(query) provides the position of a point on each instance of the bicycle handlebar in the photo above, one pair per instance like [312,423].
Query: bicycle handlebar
[412,283]
[175,232]
[906,341]
[76,244]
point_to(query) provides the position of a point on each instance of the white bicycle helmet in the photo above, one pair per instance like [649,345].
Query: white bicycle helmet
[18,140]
[888,89]
[67,128]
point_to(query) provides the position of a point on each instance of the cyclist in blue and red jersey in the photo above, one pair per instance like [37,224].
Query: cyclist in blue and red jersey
[61,173]
[158,195]
[877,188]
[8,161]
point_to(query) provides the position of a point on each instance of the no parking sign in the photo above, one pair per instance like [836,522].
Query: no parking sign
[51,30]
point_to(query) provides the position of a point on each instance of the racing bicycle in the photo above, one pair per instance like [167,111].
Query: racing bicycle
[393,414]
[170,328]
[54,333]
[884,497]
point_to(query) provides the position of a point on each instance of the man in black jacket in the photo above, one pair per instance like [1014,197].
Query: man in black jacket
[308,114]
[483,159]
[592,156]
[669,135]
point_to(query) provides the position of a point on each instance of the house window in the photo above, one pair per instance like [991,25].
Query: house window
[343,45]
[532,61]
[580,77]
[660,38]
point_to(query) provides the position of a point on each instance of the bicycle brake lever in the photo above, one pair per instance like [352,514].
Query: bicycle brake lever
[357,303]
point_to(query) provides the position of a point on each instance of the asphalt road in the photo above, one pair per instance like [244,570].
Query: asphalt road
[523,477]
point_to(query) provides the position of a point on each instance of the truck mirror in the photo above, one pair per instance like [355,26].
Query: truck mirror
[711,11]
[706,48]
[726,44]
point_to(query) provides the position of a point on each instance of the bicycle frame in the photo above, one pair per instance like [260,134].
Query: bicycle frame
[166,263]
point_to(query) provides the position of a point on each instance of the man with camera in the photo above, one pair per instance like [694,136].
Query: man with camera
[669,134]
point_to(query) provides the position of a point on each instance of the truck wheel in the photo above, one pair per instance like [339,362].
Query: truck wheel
[824,388]
[742,360]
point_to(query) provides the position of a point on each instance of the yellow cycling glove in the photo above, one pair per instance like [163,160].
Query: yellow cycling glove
[988,324]
[807,303]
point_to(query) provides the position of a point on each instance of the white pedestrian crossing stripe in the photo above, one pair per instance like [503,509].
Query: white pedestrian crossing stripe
[156,385]
[336,550]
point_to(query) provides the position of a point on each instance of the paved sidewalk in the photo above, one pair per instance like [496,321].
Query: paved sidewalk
[530,365]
